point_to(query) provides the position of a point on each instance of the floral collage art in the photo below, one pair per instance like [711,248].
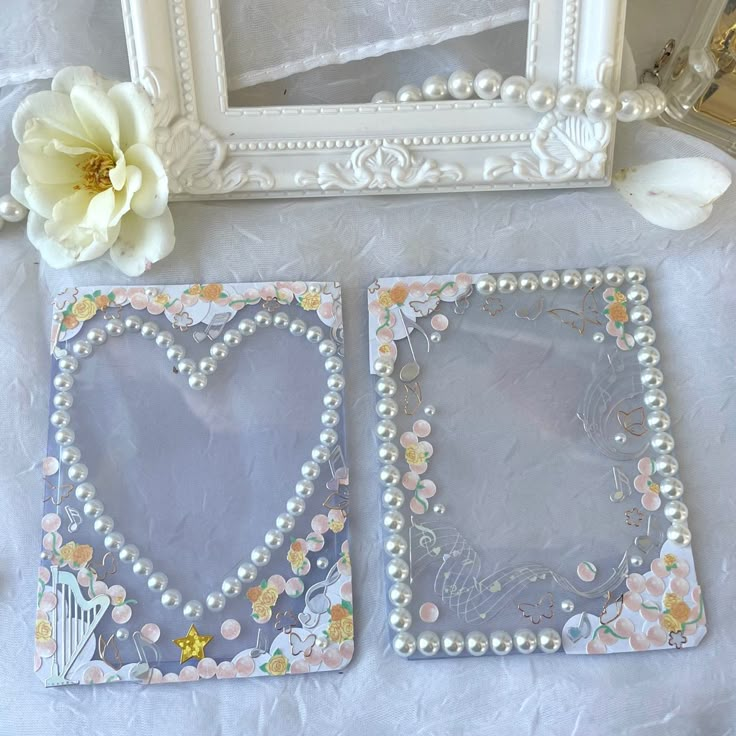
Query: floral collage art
[195,488]
[531,499]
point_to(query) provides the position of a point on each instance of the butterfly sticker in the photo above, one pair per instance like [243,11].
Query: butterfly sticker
[462,301]
[611,609]
[58,493]
[581,631]
[531,313]
[109,652]
[299,645]
[374,287]
[588,315]
[535,612]
[492,306]
[633,422]
[108,566]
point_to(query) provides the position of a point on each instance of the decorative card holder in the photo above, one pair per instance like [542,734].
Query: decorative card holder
[531,499]
[195,488]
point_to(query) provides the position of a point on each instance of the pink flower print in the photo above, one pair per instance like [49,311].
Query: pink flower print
[416,450]
[297,557]
[326,311]
[45,642]
[343,562]
[120,605]
[423,489]
[644,484]
[618,315]
[154,304]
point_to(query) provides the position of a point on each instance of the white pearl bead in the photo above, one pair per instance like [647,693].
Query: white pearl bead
[11,210]
[260,556]
[486,285]
[304,488]
[383,97]
[679,534]
[652,378]
[186,366]
[64,436]
[171,598]
[507,283]
[215,602]
[164,339]
[630,106]
[247,572]
[671,488]
[389,475]
[428,643]
[63,400]
[77,472]
[393,498]
[85,492]
[525,641]
[476,642]
[143,567]
[231,587]
[409,93]
[333,365]
[388,452]
[93,508]
[336,382]
[571,279]
[637,294]
[298,328]
[601,104]
[386,430]
[149,330]
[453,643]
[383,367]
[97,335]
[246,327]
[549,280]
[274,539]
[387,408]
[133,323]
[663,443]
[60,418]
[68,363]
[285,522]
[333,400]
[103,524]
[386,386]
[129,553]
[460,85]
[398,569]
[487,84]
[501,642]
[675,511]
[193,610]
[404,644]
[296,506]
[263,318]
[571,100]
[114,327]
[666,465]
[614,276]
[435,88]
[231,338]
[314,334]
[197,380]
[528,282]
[281,320]
[70,455]
[514,89]
[648,356]
[636,274]
[175,353]
[645,335]
[320,454]
[399,594]
[399,619]
[82,348]
[647,99]
[310,470]
[592,277]
[208,365]
[658,420]
[393,521]
[549,641]
[327,348]
[640,315]
[158,581]
[330,418]
[219,351]
[541,97]
[567,605]
[114,541]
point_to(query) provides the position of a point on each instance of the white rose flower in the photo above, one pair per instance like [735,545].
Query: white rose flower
[89,174]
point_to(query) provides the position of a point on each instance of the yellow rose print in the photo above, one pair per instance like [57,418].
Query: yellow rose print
[617,312]
[310,301]
[277,665]
[43,630]
[84,309]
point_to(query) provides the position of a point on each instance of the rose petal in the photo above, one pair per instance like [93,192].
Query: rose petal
[54,108]
[51,250]
[153,195]
[67,77]
[135,113]
[142,242]
[97,116]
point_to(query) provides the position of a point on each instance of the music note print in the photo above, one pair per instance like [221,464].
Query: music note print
[75,518]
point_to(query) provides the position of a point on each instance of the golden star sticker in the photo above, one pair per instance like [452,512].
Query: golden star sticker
[192,645]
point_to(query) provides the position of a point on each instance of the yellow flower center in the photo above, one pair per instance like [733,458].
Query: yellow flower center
[96,172]
[654,487]
[414,455]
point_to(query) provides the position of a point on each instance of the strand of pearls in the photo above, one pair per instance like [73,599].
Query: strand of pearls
[85,492]
[647,101]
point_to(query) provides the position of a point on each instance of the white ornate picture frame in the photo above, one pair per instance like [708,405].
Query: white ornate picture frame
[558,132]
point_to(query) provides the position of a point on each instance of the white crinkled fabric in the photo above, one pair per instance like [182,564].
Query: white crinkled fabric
[354,239]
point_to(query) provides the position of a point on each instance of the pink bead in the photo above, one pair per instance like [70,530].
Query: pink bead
[151,632]
[299,667]
[346,591]
[639,642]
[294,587]
[682,569]
[122,614]
[422,428]
[632,601]
[93,675]
[657,635]
[624,627]
[440,322]
[50,522]
[651,501]
[680,586]
[320,523]
[636,583]
[429,613]
[225,670]
[207,667]
[596,647]
[650,614]
[332,658]
[696,594]
[230,629]
[587,571]
[244,666]
[171,677]
[347,648]
[659,568]
[607,638]
[278,582]
[655,587]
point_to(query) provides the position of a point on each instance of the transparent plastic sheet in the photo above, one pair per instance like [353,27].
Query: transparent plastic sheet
[197,481]
[561,556]
[354,240]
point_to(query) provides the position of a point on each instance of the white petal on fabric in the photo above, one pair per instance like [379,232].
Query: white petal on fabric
[142,242]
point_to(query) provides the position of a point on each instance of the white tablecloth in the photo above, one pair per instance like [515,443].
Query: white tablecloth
[352,240]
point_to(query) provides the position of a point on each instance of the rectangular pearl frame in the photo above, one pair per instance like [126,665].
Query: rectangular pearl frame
[214,151]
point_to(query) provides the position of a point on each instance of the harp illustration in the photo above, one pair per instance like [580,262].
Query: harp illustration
[74,621]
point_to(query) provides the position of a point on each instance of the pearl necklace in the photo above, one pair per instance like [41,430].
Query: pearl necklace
[77,472]
[647,101]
